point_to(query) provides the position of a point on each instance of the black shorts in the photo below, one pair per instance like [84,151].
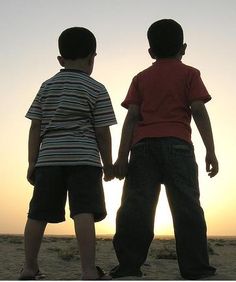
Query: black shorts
[84,187]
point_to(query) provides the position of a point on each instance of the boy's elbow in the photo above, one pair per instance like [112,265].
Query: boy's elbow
[102,132]
[133,115]
[198,109]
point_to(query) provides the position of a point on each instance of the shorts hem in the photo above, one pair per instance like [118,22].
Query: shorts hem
[47,219]
[97,216]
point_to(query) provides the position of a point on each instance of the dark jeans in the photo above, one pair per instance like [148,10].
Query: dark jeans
[155,161]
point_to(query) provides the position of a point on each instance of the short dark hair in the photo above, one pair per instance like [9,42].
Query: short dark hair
[76,42]
[165,38]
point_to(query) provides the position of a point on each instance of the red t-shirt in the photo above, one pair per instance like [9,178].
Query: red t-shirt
[164,93]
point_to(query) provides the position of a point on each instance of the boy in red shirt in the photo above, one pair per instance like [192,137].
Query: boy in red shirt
[160,103]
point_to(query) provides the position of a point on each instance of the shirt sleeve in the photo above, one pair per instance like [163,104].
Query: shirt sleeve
[35,110]
[104,114]
[133,95]
[197,89]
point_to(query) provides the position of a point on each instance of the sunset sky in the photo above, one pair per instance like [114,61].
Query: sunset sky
[28,37]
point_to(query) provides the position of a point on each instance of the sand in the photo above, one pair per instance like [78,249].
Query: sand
[59,258]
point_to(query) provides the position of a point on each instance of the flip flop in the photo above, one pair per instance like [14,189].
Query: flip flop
[102,275]
[38,276]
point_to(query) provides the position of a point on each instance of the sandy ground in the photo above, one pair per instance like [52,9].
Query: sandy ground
[60,260]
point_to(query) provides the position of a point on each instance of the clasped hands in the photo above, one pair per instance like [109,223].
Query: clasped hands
[118,170]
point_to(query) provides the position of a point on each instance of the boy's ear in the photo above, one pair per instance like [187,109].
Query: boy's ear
[91,58]
[183,49]
[151,53]
[61,60]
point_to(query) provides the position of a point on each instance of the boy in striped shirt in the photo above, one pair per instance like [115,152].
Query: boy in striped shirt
[71,115]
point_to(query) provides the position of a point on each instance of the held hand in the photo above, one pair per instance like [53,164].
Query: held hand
[121,168]
[30,174]
[212,166]
[108,173]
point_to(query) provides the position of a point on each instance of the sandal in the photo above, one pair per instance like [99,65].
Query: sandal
[38,276]
[102,275]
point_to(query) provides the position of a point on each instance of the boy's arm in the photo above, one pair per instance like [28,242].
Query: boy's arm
[103,136]
[203,124]
[33,148]
[130,122]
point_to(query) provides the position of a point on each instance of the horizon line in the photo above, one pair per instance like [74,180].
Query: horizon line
[111,235]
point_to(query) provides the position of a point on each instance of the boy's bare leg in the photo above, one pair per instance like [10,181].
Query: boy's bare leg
[85,233]
[33,235]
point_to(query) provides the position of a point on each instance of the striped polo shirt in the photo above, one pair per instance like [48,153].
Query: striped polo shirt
[70,105]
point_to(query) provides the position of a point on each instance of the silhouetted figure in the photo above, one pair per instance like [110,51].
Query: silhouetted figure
[160,103]
[70,115]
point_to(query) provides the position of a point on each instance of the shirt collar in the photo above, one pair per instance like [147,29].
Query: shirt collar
[73,70]
[167,60]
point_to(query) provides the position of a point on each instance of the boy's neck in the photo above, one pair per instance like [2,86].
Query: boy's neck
[177,57]
[84,65]
[78,66]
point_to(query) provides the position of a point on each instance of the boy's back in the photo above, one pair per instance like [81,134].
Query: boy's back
[164,93]
[160,102]
[70,105]
[69,131]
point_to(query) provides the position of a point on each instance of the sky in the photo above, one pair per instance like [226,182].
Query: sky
[28,34]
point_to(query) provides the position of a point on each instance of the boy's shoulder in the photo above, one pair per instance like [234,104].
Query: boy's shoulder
[95,82]
[189,68]
[180,66]
[73,77]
